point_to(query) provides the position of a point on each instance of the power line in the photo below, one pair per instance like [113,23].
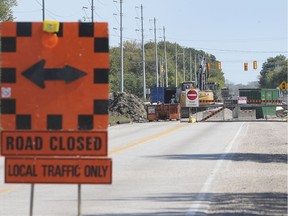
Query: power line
[53,15]
[32,11]
[221,50]
[230,39]
[240,51]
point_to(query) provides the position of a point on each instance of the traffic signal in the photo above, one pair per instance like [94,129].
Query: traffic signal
[208,66]
[254,65]
[218,65]
[162,68]
[245,66]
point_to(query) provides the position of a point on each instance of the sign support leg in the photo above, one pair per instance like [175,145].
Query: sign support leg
[79,199]
[31,200]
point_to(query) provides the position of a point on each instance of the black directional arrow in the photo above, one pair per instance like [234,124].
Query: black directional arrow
[38,74]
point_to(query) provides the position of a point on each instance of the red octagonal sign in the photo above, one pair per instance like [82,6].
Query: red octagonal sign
[192,95]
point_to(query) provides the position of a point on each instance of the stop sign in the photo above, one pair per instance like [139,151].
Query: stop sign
[192,95]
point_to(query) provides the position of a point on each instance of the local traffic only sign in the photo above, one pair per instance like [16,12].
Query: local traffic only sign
[54,102]
[192,98]
[62,170]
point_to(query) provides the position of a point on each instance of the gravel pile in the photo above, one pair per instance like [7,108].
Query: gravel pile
[129,105]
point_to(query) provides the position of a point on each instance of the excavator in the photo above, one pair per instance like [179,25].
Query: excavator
[206,94]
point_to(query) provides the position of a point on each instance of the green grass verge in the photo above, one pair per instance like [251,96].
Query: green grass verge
[115,119]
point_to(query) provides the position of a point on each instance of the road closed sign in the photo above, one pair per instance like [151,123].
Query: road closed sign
[47,143]
[192,98]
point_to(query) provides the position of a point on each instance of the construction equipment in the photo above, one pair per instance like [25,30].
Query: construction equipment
[206,94]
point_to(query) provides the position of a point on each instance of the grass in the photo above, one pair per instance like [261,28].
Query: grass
[115,119]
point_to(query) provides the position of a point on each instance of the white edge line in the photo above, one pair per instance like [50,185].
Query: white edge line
[200,205]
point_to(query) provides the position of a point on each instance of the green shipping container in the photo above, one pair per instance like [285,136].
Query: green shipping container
[269,94]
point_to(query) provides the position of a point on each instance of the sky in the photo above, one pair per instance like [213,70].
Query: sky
[234,31]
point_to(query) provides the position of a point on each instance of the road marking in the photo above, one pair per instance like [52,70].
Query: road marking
[130,145]
[126,146]
[201,204]
[7,189]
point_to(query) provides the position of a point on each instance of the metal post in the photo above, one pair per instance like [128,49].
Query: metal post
[176,66]
[143,54]
[79,199]
[190,66]
[195,72]
[31,200]
[184,64]
[92,11]
[160,72]
[165,59]
[43,10]
[156,54]
[121,50]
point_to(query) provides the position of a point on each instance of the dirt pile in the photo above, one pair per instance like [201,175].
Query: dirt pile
[129,105]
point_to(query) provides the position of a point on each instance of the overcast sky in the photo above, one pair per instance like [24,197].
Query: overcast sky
[235,31]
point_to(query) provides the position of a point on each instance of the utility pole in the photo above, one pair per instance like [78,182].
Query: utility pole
[92,11]
[143,54]
[165,58]
[156,54]
[43,10]
[161,72]
[176,66]
[190,66]
[121,50]
[184,64]
[195,71]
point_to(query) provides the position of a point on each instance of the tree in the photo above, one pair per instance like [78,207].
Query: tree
[6,9]
[273,72]
[133,75]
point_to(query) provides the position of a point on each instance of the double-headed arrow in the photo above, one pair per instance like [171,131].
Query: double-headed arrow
[38,74]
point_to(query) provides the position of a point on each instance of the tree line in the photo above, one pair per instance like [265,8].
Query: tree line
[273,72]
[133,72]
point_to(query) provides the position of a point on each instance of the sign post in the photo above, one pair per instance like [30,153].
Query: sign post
[49,125]
[31,200]
[79,199]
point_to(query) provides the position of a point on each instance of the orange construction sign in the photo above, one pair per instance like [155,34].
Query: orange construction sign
[54,81]
[54,102]
[58,170]
[47,143]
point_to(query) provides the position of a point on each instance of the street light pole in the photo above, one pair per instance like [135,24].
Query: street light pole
[92,11]
[165,59]
[121,50]
[43,10]
[156,54]
[143,54]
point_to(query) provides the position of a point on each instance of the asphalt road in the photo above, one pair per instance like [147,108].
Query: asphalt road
[172,168]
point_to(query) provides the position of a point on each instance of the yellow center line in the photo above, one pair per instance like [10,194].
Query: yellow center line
[7,189]
[130,145]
